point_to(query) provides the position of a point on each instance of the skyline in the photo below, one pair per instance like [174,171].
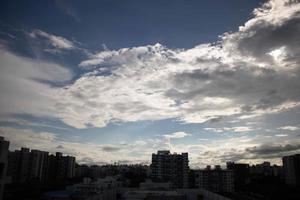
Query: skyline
[111,81]
[148,164]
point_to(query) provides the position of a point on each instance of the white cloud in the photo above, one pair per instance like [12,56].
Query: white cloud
[22,88]
[246,74]
[57,42]
[289,128]
[234,129]
[281,135]
[177,135]
[236,77]
[239,129]
[217,130]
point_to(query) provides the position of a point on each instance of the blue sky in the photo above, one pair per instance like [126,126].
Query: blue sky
[114,81]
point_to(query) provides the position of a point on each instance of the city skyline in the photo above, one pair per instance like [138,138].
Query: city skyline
[114,81]
[37,174]
[156,157]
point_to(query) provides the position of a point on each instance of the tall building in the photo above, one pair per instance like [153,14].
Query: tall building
[3,164]
[216,180]
[38,165]
[291,168]
[241,173]
[170,167]
[19,165]
[61,167]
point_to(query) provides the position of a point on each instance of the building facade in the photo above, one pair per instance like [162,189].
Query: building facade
[291,168]
[241,172]
[170,167]
[61,167]
[25,165]
[215,180]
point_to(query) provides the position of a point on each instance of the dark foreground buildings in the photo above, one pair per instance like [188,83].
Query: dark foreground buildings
[25,165]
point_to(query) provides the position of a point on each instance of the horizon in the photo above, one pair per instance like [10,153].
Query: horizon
[149,162]
[113,81]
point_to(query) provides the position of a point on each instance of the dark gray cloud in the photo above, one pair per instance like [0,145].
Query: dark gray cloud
[110,148]
[273,149]
[59,147]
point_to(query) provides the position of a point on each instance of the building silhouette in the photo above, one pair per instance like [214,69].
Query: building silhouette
[25,165]
[241,172]
[61,167]
[215,180]
[291,168]
[170,167]
[3,164]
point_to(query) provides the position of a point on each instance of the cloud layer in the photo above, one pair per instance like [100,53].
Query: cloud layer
[251,72]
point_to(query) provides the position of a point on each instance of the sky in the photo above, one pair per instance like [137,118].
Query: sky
[115,81]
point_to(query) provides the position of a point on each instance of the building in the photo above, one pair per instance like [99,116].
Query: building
[153,195]
[4,145]
[266,171]
[241,173]
[38,165]
[19,165]
[170,167]
[291,168]
[99,189]
[149,190]
[216,180]
[25,165]
[61,167]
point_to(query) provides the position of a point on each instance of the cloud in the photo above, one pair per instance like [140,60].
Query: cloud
[176,135]
[289,128]
[252,72]
[110,148]
[273,149]
[281,135]
[56,42]
[137,151]
[234,129]
[25,85]
[217,130]
[27,138]
[59,147]
[249,73]
[244,148]
[239,129]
